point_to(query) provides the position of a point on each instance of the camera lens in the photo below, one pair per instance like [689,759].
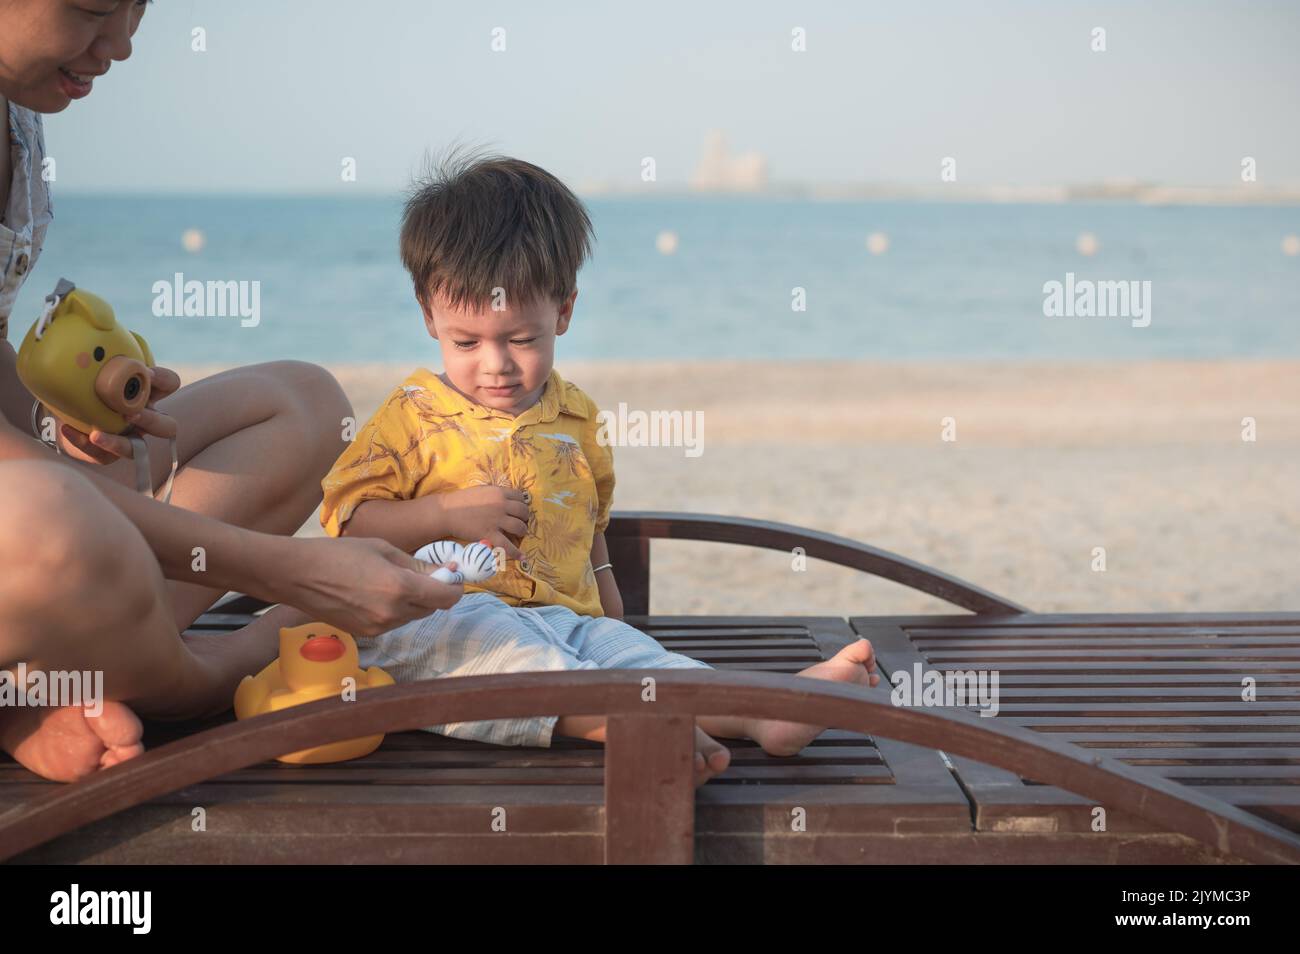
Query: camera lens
[132,389]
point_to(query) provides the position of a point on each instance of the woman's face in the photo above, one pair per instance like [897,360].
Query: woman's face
[51,50]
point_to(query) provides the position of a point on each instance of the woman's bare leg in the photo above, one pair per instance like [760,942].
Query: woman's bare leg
[253,444]
[80,591]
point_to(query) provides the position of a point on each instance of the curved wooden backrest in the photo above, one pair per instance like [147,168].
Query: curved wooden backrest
[630,531]
[649,799]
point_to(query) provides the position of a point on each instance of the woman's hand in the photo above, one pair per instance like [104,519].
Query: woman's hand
[99,447]
[361,585]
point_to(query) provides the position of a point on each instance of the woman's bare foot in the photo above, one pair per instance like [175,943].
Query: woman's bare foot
[225,658]
[66,743]
[221,661]
[711,757]
[854,663]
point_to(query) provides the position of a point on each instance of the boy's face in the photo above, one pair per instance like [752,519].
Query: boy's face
[501,359]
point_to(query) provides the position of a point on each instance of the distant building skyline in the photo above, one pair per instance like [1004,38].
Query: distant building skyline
[720,170]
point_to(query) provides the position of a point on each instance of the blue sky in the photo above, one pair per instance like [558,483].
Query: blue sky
[287,88]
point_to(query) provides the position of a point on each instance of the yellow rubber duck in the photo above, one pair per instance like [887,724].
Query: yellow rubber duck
[315,662]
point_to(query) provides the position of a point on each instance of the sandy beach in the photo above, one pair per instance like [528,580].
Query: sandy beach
[1050,461]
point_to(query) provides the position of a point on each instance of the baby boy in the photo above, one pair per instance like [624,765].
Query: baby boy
[499,447]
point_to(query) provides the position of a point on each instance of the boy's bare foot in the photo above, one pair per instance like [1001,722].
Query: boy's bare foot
[65,743]
[854,663]
[711,757]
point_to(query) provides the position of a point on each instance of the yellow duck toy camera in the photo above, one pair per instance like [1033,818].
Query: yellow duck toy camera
[90,372]
[82,365]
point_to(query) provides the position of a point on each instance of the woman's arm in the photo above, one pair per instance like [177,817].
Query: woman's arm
[365,587]
[611,600]
[233,559]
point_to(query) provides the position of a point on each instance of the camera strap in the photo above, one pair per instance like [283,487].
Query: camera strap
[143,477]
[139,453]
[52,300]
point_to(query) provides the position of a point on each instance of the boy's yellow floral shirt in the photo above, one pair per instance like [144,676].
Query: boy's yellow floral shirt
[428,438]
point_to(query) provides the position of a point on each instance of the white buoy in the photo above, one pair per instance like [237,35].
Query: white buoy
[666,242]
[1087,244]
[1291,245]
[193,240]
[877,243]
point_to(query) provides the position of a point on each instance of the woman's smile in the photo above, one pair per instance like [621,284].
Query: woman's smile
[76,85]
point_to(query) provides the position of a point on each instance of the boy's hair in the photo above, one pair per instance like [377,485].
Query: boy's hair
[474,222]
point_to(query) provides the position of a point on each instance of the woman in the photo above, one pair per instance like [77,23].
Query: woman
[97,577]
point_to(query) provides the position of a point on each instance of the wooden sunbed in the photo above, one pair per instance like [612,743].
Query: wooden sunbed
[1140,716]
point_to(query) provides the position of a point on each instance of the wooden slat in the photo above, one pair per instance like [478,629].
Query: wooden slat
[1059,622]
[1107,695]
[1232,652]
[737,644]
[1159,723]
[1227,672]
[1208,745]
[1254,773]
[1155,692]
[1288,754]
[1193,679]
[996,633]
[1103,709]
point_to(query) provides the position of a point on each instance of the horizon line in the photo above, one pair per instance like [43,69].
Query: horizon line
[1206,196]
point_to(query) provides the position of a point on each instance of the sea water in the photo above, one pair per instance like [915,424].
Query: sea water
[746,278]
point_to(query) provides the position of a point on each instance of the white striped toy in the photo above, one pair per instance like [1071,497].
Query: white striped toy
[475,563]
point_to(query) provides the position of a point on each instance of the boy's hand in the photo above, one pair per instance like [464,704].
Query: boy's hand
[496,514]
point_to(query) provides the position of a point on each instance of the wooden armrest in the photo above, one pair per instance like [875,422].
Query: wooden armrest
[630,532]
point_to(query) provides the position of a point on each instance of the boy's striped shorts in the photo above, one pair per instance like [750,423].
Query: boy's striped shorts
[483,635]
